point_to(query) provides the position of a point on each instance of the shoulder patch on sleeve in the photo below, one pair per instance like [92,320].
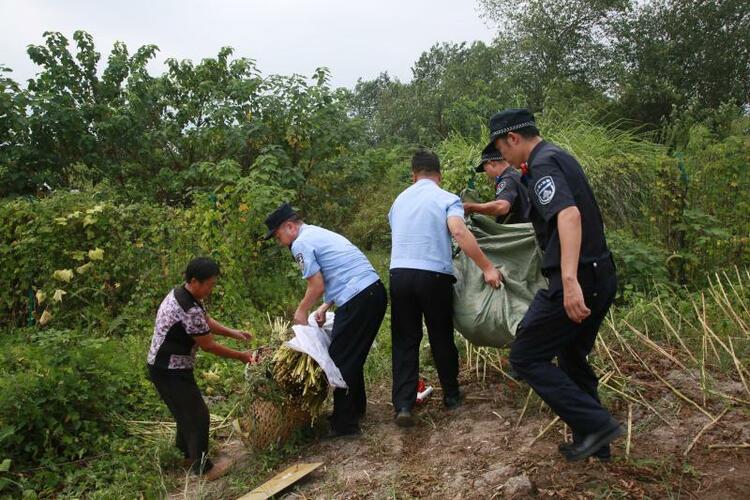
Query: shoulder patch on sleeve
[545,189]
[501,186]
[300,261]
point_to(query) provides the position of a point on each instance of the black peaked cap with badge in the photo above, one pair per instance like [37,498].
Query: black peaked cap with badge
[489,153]
[509,120]
[277,218]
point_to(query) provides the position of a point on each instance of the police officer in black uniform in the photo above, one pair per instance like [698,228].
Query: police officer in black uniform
[511,205]
[563,320]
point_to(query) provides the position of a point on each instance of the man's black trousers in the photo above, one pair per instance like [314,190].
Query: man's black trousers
[179,391]
[570,388]
[354,329]
[417,294]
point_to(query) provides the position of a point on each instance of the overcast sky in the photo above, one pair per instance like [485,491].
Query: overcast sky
[353,38]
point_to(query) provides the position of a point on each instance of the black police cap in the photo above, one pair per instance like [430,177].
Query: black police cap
[277,218]
[509,120]
[489,153]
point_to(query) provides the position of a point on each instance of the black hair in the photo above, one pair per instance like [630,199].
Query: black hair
[201,268]
[425,161]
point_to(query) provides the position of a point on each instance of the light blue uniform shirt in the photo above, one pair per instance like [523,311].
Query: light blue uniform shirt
[345,269]
[419,227]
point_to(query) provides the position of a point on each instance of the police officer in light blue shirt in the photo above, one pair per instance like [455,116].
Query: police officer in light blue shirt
[338,270]
[344,268]
[419,231]
[423,218]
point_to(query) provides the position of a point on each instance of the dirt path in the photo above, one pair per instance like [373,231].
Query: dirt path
[478,451]
[481,451]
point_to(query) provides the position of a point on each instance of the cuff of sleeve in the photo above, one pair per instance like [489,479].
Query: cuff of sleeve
[311,272]
[549,215]
[510,198]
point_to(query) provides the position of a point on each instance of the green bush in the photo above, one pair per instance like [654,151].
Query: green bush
[640,264]
[369,227]
[94,252]
[62,394]
[672,216]
[459,156]
[718,171]
[78,259]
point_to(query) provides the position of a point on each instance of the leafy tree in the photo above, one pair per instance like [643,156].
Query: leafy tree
[196,128]
[76,117]
[454,88]
[13,134]
[549,42]
[366,100]
[647,58]
[676,52]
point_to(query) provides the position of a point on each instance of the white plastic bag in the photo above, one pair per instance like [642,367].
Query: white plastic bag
[314,341]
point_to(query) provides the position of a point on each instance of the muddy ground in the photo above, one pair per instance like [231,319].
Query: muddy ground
[485,450]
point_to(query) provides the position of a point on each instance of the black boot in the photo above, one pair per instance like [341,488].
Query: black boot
[592,443]
[453,401]
[603,454]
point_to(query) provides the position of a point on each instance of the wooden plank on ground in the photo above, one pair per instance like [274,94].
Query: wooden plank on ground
[281,481]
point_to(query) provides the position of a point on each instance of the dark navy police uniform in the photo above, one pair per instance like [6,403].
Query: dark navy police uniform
[508,187]
[556,181]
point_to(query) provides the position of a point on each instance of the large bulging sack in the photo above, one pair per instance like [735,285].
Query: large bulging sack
[487,316]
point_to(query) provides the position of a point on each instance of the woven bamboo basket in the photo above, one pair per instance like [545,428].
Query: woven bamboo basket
[266,424]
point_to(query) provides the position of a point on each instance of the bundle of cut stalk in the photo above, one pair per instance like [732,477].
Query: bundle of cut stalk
[163,430]
[301,378]
[285,391]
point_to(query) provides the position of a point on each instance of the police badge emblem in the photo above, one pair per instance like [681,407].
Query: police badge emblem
[545,189]
[300,261]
